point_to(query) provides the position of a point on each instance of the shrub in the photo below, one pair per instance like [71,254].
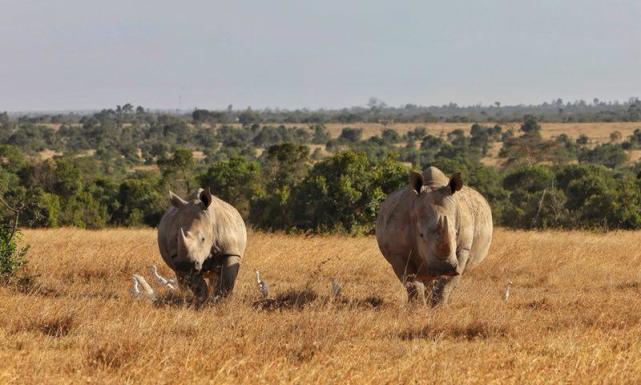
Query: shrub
[343,193]
[236,181]
[12,256]
[609,155]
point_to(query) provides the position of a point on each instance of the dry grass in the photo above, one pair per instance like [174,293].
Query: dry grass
[573,316]
[48,154]
[597,131]
[635,156]
[492,158]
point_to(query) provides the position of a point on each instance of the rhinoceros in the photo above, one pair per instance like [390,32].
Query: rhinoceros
[202,237]
[432,231]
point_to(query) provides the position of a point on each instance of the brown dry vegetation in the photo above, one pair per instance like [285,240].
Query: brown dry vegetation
[573,316]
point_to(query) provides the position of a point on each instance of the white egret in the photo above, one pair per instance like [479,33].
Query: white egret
[170,283]
[336,288]
[135,289]
[149,292]
[506,294]
[263,287]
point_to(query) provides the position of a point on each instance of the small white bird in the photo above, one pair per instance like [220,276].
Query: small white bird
[263,287]
[170,283]
[149,292]
[336,288]
[506,294]
[135,288]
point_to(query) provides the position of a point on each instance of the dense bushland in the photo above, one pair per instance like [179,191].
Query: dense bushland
[115,168]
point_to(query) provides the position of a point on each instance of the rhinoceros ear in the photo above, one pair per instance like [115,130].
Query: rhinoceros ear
[456,182]
[416,181]
[176,201]
[206,198]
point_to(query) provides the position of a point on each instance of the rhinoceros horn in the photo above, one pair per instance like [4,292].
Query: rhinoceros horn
[443,247]
[183,237]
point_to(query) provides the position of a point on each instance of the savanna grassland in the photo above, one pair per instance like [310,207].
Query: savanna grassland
[573,315]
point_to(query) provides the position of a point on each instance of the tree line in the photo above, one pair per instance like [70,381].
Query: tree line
[117,171]
[378,111]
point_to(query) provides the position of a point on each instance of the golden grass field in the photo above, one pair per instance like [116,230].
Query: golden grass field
[574,316]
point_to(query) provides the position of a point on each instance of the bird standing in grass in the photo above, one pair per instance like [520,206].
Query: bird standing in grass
[336,288]
[506,294]
[263,287]
[141,282]
[135,289]
[170,283]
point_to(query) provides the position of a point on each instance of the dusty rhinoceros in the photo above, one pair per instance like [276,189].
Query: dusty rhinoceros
[432,231]
[202,237]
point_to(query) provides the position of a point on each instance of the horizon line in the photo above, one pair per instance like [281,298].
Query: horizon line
[291,109]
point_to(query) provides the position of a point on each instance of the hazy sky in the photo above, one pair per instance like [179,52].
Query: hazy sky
[85,54]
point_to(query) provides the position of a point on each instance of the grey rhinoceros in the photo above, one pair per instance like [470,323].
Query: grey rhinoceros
[202,237]
[432,231]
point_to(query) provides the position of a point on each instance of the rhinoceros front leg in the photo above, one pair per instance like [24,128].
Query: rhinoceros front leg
[406,273]
[416,292]
[213,278]
[195,283]
[198,287]
[442,289]
[230,267]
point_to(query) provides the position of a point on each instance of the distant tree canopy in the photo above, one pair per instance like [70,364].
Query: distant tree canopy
[115,167]
[236,180]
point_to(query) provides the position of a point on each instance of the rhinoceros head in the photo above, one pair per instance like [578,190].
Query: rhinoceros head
[194,233]
[433,222]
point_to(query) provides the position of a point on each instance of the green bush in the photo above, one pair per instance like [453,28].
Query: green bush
[535,202]
[139,203]
[12,256]
[609,155]
[343,193]
[236,181]
[287,188]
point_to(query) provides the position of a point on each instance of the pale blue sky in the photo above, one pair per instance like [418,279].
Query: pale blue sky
[86,54]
